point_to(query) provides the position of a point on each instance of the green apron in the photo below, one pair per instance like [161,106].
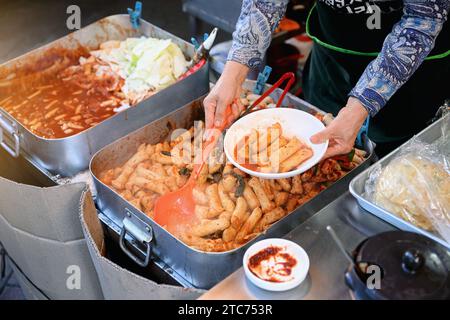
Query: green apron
[329,75]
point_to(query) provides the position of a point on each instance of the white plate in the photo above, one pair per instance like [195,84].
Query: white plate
[294,122]
[299,272]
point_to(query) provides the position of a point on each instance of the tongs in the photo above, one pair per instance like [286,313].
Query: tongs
[176,210]
[287,76]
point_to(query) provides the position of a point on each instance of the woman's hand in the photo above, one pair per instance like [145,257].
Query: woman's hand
[342,131]
[226,90]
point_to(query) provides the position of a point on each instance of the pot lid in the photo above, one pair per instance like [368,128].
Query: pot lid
[412,266]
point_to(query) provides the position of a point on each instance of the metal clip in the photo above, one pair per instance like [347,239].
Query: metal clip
[363,131]
[262,79]
[196,43]
[135,15]
[441,112]
[140,231]
[10,127]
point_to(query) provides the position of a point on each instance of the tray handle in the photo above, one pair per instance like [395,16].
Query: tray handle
[10,127]
[140,231]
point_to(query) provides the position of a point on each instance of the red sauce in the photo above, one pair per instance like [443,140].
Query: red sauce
[51,106]
[281,268]
[250,166]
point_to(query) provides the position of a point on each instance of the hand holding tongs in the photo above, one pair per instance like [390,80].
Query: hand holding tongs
[255,105]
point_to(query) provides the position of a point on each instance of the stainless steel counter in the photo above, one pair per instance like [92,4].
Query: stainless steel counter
[326,274]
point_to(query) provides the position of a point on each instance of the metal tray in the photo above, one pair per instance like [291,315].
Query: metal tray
[357,185]
[140,237]
[68,156]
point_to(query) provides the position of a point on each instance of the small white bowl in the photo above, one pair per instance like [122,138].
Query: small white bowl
[299,271]
[294,122]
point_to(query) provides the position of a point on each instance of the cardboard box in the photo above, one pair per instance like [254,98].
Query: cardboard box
[41,232]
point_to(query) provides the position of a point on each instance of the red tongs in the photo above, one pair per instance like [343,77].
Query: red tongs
[287,76]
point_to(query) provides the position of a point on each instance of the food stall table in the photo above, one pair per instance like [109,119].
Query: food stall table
[325,280]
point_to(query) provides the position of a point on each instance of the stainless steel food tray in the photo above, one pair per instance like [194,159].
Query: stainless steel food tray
[357,185]
[193,267]
[68,156]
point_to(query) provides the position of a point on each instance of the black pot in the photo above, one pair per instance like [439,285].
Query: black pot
[399,265]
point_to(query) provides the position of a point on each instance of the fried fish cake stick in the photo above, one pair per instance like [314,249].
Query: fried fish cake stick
[207,227]
[249,225]
[229,234]
[250,236]
[183,135]
[171,182]
[296,159]
[252,139]
[203,175]
[307,175]
[229,183]
[180,180]
[281,198]
[146,199]
[269,218]
[285,184]
[266,139]
[204,212]
[266,204]
[225,199]
[148,202]
[200,197]
[158,169]
[227,169]
[150,150]
[162,158]
[283,141]
[239,214]
[201,212]
[238,217]
[275,185]
[107,176]
[242,152]
[127,195]
[212,192]
[156,186]
[250,197]
[292,203]
[297,187]
[214,167]
[181,154]
[267,188]
[148,173]
[129,166]
[131,182]
[136,203]
[286,151]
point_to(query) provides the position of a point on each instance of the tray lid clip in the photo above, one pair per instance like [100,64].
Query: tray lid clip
[135,15]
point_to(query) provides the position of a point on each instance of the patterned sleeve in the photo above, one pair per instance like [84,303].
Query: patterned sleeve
[404,49]
[257,21]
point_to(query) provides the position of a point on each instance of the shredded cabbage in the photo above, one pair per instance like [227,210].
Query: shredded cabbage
[146,64]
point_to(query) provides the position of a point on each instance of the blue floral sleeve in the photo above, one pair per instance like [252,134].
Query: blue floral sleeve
[404,49]
[257,21]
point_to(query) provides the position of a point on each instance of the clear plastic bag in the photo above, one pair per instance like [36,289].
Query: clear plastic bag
[415,184]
